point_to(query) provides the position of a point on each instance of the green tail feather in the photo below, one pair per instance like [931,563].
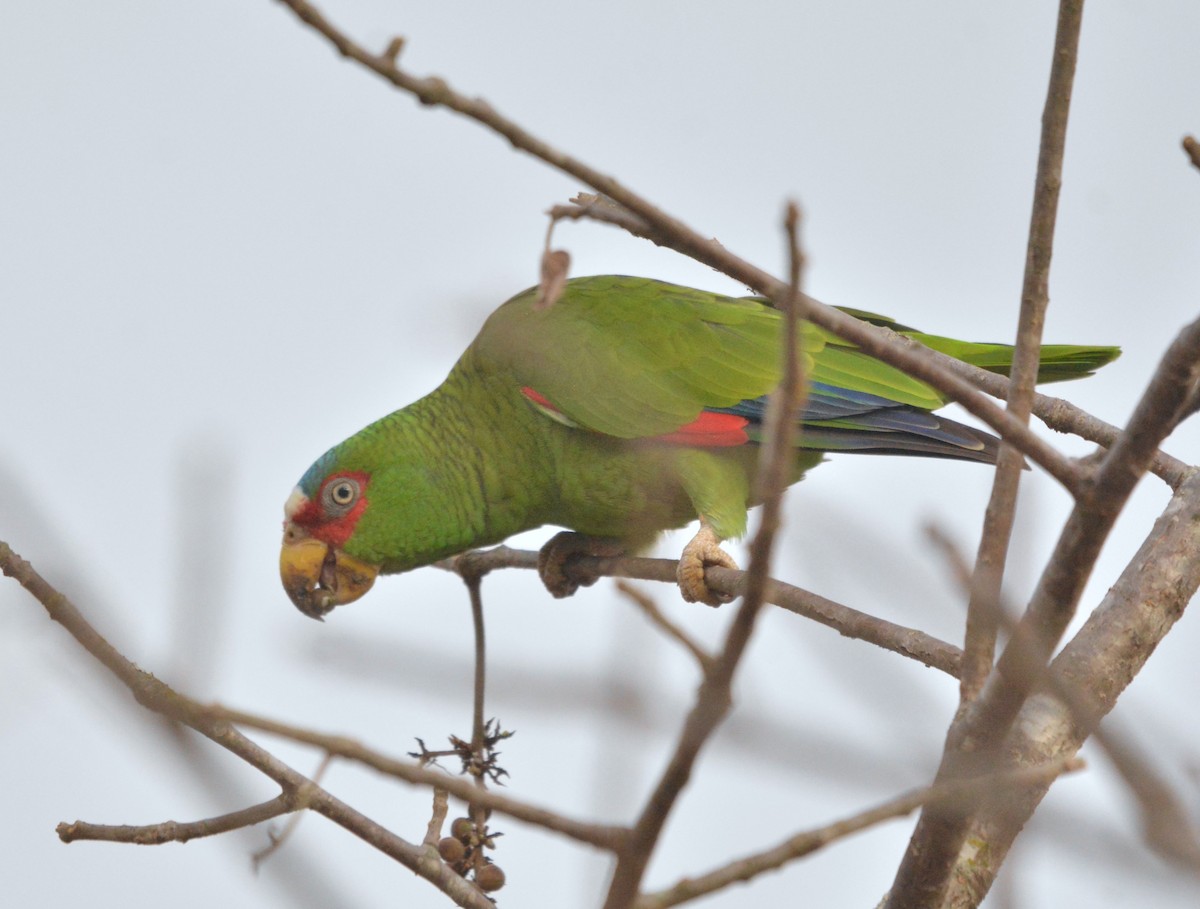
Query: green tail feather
[1059,362]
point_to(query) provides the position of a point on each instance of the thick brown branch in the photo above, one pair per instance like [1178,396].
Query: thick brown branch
[980,729]
[1164,819]
[1096,666]
[1055,599]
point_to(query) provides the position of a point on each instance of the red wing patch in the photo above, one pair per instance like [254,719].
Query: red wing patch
[711,430]
[542,404]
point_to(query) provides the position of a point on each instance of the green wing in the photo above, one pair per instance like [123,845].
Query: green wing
[635,357]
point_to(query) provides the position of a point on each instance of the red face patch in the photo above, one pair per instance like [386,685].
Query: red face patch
[327,520]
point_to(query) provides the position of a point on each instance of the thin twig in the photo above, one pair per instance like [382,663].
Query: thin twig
[900,639]
[714,699]
[1063,416]
[979,647]
[924,872]
[478,812]
[809,841]
[162,699]
[474,584]
[599,835]
[276,841]
[437,818]
[673,631]
[1192,148]
[175,832]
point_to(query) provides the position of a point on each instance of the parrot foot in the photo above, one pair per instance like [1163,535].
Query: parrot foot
[558,561]
[703,550]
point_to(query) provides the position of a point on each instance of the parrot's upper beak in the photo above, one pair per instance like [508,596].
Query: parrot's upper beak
[318,577]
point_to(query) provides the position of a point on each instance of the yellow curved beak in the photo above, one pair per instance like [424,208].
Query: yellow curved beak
[317,578]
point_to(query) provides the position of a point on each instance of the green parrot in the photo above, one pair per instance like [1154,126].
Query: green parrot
[628,407]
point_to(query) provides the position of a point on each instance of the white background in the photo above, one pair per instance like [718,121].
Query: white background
[223,249]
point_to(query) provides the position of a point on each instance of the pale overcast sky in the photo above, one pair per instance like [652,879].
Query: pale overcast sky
[225,249]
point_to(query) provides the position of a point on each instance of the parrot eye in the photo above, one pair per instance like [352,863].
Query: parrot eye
[341,494]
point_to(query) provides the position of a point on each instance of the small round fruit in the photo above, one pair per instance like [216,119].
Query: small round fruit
[451,850]
[489,878]
[462,828]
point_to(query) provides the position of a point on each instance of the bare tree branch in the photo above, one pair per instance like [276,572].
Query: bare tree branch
[979,648]
[276,841]
[809,841]
[714,698]
[160,698]
[1096,665]
[923,875]
[978,731]
[673,631]
[600,835]
[1054,601]
[1165,823]
[175,832]
[908,642]
[662,228]
[1057,414]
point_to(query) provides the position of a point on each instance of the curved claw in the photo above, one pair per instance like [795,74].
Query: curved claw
[703,550]
[557,561]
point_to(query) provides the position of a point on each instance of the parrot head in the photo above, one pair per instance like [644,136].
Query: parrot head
[320,517]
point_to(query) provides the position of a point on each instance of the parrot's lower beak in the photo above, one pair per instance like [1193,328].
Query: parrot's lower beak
[318,577]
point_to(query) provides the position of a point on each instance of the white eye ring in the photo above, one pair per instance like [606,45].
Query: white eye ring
[341,494]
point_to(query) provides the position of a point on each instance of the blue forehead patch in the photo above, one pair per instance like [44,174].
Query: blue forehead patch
[311,481]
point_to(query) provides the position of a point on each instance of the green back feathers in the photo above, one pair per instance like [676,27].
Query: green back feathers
[635,357]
